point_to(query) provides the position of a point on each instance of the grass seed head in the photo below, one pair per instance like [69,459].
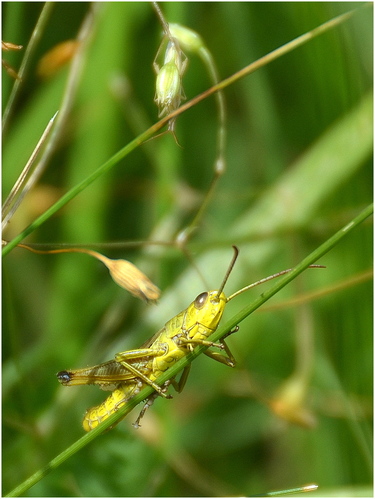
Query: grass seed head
[168,89]
[128,276]
[57,58]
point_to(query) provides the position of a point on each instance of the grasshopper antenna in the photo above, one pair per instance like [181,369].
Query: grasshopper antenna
[230,268]
[265,279]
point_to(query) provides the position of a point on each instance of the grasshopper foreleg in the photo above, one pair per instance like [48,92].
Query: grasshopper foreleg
[187,341]
[228,359]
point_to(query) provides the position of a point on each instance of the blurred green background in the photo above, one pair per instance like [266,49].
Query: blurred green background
[299,167]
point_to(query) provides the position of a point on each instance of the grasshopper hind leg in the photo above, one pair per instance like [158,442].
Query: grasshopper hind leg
[149,401]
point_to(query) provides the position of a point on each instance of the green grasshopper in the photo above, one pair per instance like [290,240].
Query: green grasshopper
[131,370]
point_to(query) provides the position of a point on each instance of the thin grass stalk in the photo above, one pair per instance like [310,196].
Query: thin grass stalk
[108,165]
[25,181]
[31,46]
[184,362]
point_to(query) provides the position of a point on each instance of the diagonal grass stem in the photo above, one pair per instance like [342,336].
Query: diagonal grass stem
[184,362]
[108,165]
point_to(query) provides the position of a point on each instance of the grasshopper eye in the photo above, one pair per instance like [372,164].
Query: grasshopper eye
[200,300]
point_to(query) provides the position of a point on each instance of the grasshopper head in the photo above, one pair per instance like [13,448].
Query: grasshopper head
[207,309]
[203,316]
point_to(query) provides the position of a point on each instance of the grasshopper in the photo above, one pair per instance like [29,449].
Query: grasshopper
[131,370]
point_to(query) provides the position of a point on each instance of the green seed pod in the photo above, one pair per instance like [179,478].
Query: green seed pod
[168,89]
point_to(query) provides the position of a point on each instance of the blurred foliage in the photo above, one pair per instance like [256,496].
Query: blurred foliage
[299,167]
